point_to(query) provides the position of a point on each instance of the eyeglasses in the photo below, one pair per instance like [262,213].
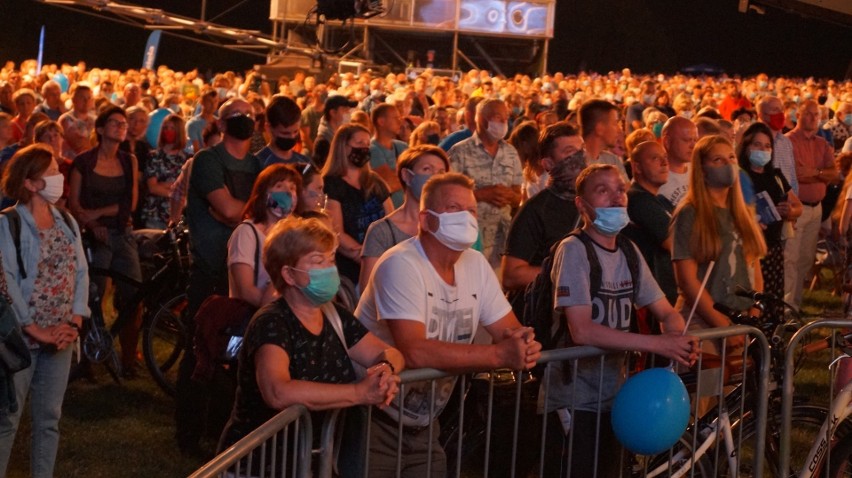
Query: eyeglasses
[117,123]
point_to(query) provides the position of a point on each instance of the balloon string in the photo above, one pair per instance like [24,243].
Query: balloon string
[698,297]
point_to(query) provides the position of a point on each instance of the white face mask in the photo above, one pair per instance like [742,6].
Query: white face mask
[456,230]
[53,186]
[497,129]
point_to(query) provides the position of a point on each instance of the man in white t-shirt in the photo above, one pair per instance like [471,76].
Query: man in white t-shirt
[679,137]
[427,296]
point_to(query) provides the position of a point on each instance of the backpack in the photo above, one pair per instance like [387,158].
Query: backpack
[14,219]
[538,296]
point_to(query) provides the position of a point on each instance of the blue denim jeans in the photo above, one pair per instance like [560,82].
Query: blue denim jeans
[45,382]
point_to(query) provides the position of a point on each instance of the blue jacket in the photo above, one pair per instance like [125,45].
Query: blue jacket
[20,289]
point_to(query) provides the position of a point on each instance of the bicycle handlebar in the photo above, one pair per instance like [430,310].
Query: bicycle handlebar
[837,337]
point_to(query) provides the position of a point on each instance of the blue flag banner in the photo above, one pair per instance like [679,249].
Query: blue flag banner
[151,50]
[40,50]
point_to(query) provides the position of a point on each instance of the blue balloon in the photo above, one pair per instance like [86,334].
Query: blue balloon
[62,80]
[155,121]
[651,411]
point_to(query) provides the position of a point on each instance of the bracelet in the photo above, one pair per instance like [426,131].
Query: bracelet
[390,365]
[77,327]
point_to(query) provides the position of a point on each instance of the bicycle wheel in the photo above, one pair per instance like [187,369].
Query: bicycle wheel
[806,422]
[841,458]
[164,338]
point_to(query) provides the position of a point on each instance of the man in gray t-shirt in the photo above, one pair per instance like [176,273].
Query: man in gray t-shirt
[602,321]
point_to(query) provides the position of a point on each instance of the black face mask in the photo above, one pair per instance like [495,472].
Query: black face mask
[359,156]
[433,139]
[285,144]
[240,127]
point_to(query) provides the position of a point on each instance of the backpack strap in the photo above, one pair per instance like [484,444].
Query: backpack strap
[390,228]
[595,273]
[14,219]
[633,263]
[330,312]
[257,249]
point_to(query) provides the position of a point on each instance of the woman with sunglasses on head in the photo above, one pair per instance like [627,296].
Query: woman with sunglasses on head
[274,197]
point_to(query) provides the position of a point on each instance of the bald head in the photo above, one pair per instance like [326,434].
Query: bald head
[679,137]
[676,122]
[234,105]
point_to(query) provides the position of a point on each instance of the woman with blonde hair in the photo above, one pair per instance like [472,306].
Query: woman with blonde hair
[712,225]
[356,195]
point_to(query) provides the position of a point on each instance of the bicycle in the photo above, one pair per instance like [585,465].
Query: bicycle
[830,433]
[162,296]
[721,442]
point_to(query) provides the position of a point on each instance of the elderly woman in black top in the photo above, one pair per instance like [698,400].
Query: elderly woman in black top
[301,348]
[103,194]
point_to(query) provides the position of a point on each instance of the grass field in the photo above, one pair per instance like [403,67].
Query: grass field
[110,430]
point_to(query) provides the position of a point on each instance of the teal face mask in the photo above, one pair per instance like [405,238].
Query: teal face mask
[657,129]
[280,203]
[322,286]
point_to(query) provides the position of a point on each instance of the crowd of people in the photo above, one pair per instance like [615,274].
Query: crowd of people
[434,203]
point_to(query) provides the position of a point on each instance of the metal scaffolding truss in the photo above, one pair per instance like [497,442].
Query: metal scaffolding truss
[194,29]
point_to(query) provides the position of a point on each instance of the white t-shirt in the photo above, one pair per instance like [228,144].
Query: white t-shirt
[675,188]
[242,247]
[405,286]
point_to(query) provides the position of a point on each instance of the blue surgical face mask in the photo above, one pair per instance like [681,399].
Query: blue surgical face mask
[416,183]
[280,203]
[759,158]
[792,116]
[847,120]
[609,221]
[322,285]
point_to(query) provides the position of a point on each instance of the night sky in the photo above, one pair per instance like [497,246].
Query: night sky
[601,35]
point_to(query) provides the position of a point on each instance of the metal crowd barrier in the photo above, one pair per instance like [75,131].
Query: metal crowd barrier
[839,418]
[502,422]
[264,452]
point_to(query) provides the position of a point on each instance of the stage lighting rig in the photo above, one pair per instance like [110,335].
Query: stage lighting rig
[346,9]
